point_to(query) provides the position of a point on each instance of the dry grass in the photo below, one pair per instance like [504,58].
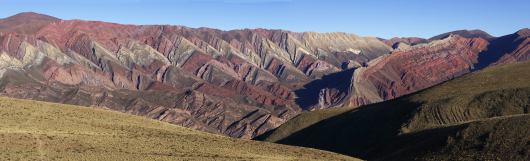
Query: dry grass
[32,130]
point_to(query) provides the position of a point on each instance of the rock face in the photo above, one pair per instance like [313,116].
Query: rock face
[507,49]
[414,68]
[239,83]
[411,68]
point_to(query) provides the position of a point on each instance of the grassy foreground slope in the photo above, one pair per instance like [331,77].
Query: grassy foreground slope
[499,92]
[32,130]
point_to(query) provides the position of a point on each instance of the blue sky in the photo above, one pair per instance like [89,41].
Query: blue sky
[382,18]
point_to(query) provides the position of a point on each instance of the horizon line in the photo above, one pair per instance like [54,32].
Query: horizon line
[253,28]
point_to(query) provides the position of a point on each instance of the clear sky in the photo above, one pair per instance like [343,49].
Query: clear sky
[382,18]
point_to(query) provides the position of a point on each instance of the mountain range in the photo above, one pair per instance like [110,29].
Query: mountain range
[239,83]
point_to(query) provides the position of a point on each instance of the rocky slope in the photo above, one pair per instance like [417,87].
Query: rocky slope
[238,83]
[417,67]
[483,115]
[506,49]
[404,70]
[409,68]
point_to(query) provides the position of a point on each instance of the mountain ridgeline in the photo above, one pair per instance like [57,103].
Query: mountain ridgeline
[239,83]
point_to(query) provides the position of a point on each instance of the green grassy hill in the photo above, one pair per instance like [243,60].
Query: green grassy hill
[500,92]
[32,130]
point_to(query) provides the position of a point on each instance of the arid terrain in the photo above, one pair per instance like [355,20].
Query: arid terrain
[33,130]
[239,83]
[94,90]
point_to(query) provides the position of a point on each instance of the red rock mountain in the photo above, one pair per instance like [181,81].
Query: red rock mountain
[506,49]
[25,23]
[417,67]
[464,33]
[411,68]
[239,83]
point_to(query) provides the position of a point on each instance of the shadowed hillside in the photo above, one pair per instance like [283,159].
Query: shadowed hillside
[501,138]
[314,92]
[391,129]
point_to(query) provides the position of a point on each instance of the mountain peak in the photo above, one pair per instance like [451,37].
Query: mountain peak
[465,33]
[523,32]
[25,22]
[31,16]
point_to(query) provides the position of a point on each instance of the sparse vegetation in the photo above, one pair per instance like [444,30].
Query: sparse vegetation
[500,138]
[377,131]
[33,130]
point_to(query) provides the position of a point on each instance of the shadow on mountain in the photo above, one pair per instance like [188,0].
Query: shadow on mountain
[496,49]
[379,131]
[364,127]
[309,95]
[480,116]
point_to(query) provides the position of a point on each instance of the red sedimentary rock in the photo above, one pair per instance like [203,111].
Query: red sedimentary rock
[239,83]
